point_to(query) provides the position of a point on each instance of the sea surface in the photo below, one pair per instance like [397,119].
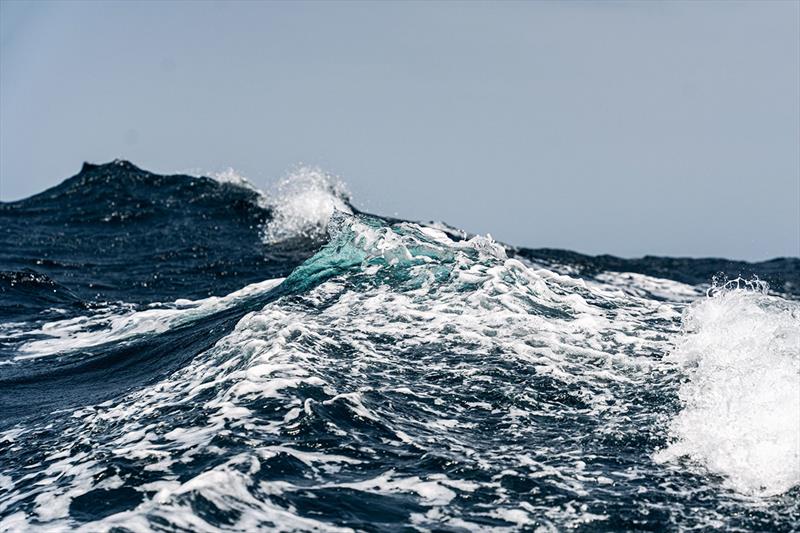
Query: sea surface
[183,353]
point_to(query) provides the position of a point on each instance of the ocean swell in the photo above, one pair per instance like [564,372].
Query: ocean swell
[373,374]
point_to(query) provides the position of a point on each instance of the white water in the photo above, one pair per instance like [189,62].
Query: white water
[302,203]
[741,416]
[603,340]
[111,325]
[485,304]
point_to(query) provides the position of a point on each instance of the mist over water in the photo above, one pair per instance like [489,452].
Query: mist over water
[184,353]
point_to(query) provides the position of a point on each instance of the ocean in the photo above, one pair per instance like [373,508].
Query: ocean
[183,353]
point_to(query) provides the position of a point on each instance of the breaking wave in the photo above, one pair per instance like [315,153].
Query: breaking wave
[741,353]
[303,202]
[303,366]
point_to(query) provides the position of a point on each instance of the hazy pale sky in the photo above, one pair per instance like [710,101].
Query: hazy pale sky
[669,128]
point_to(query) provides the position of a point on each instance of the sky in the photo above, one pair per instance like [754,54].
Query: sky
[662,128]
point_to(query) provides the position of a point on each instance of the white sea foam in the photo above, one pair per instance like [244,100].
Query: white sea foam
[449,349]
[468,295]
[111,325]
[649,287]
[302,203]
[741,415]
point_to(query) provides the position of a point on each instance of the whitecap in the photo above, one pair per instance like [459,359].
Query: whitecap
[741,416]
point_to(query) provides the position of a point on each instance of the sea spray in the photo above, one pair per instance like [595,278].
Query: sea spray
[740,352]
[302,203]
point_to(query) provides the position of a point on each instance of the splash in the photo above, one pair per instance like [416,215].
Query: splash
[302,204]
[741,415]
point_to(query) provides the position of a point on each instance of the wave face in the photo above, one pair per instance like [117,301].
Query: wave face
[192,354]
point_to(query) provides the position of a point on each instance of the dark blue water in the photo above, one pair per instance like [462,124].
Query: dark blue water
[192,354]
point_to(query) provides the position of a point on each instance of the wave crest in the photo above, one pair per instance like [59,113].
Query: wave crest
[302,204]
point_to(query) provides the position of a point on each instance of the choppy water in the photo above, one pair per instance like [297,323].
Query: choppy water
[192,354]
